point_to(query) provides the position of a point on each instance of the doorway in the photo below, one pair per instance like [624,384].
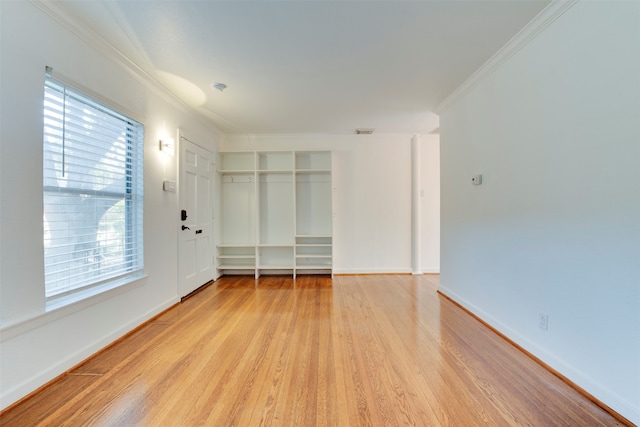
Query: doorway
[195,228]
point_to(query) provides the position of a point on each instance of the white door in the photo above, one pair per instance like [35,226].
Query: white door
[195,267]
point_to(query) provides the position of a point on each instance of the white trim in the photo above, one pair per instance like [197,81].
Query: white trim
[530,31]
[245,138]
[372,271]
[84,91]
[63,299]
[55,313]
[426,271]
[581,379]
[59,15]
[416,188]
[56,12]
[21,390]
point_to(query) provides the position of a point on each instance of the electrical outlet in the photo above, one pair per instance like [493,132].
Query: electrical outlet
[543,321]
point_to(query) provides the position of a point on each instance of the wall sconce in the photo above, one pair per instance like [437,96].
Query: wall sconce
[168,146]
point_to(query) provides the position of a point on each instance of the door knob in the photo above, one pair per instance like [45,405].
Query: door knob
[184,227]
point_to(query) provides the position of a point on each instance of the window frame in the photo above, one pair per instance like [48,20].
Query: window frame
[130,179]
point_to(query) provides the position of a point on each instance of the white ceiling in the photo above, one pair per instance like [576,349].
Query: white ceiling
[309,66]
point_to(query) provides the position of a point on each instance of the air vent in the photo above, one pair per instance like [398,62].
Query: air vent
[364,131]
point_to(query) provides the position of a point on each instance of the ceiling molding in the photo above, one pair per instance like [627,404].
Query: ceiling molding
[54,11]
[297,135]
[537,25]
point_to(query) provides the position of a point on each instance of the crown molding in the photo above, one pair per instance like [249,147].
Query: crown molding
[530,31]
[320,136]
[56,12]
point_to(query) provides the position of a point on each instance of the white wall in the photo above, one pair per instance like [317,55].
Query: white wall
[372,176]
[555,226]
[372,199]
[430,203]
[35,345]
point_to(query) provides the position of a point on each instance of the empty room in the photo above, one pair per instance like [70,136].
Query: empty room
[320,213]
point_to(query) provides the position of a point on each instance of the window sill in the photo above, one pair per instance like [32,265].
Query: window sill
[89,293]
[65,306]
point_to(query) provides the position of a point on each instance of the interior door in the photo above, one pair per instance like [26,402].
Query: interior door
[195,226]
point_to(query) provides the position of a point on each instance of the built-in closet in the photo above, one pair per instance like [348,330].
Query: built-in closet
[276,212]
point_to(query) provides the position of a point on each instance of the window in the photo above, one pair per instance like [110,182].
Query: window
[93,193]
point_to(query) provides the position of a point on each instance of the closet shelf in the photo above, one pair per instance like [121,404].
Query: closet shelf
[313,170]
[275,267]
[313,256]
[313,267]
[236,256]
[236,267]
[275,212]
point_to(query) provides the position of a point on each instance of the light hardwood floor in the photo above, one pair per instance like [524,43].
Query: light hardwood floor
[355,351]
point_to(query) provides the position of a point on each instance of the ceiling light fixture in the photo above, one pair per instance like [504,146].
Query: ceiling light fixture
[219,86]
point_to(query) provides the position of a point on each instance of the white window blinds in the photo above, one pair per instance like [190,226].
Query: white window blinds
[93,192]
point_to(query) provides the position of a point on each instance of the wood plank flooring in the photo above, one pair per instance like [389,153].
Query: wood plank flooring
[352,351]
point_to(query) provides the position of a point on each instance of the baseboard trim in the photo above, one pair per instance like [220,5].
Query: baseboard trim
[355,272]
[448,295]
[195,291]
[93,349]
[373,274]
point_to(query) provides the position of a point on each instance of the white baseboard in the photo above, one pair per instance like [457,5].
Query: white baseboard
[372,271]
[580,379]
[17,392]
